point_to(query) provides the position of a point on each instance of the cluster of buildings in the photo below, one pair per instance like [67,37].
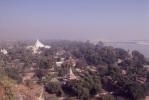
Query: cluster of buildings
[60,60]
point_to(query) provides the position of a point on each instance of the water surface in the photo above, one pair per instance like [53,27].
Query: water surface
[144,49]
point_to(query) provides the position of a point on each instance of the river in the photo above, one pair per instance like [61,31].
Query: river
[144,49]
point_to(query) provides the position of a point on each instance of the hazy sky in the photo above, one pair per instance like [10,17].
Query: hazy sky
[74,19]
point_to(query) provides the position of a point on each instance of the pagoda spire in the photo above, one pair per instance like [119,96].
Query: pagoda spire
[71,75]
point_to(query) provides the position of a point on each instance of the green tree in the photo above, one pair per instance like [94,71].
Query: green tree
[54,88]
[107,97]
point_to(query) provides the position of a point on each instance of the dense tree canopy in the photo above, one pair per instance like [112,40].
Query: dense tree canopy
[98,65]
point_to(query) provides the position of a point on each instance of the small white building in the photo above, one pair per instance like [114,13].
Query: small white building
[119,61]
[124,72]
[59,63]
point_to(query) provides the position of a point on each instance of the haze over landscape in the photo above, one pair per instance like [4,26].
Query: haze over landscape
[108,20]
[74,50]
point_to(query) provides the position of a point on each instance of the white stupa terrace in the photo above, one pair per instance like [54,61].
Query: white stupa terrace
[37,46]
[4,51]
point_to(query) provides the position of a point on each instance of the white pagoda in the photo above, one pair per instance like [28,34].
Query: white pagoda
[70,75]
[4,51]
[37,46]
